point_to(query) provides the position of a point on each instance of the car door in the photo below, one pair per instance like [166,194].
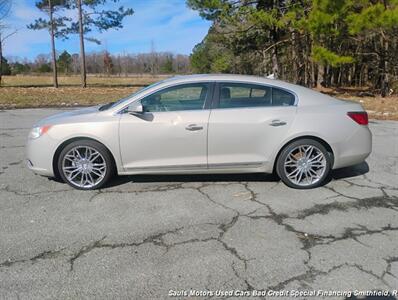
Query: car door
[247,123]
[171,133]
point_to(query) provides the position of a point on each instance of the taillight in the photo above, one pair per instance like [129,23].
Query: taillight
[361,117]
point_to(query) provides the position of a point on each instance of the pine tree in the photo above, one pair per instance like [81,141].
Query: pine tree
[53,25]
[91,15]
[64,62]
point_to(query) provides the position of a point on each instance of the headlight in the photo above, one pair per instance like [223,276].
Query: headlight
[38,131]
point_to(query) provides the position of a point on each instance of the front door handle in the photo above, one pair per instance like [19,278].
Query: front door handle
[276,123]
[193,127]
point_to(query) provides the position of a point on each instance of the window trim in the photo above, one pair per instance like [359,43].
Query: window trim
[217,90]
[206,106]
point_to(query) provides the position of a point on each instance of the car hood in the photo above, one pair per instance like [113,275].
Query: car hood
[72,115]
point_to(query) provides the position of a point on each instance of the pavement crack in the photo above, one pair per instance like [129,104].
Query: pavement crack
[43,255]
[253,195]
[84,250]
[390,202]
[249,287]
[17,193]
[389,261]
[200,190]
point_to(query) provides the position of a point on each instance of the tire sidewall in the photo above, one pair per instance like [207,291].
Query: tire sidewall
[97,146]
[282,157]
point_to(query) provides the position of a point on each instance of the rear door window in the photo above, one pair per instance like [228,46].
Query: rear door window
[235,95]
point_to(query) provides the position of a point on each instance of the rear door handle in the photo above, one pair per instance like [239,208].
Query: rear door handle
[193,127]
[276,123]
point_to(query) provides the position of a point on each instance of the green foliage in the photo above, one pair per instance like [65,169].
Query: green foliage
[306,41]
[44,68]
[327,57]
[95,18]
[59,22]
[64,62]
[206,57]
[18,68]
[167,66]
[374,17]
[209,9]
[200,61]
[221,64]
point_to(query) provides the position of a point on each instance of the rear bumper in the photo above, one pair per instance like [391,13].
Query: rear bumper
[354,150]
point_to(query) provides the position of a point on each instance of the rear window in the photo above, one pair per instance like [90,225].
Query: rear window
[282,97]
[235,95]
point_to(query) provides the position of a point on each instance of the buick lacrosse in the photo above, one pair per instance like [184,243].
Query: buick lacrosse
[204,124]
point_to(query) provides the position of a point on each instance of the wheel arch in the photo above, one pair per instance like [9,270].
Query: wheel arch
[312,137]
[69,141]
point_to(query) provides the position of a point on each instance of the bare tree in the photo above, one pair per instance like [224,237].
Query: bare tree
[5,7]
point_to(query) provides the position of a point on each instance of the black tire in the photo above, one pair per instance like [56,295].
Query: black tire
[280,166]
[109,163]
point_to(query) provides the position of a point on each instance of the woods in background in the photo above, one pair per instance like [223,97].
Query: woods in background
[310,42]
[103,63]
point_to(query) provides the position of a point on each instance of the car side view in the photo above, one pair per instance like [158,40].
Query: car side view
[204,124]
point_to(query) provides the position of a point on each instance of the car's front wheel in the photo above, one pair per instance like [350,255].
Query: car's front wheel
[304,164]
[85,164]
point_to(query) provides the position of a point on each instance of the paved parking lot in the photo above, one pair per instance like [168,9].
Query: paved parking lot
[148,236]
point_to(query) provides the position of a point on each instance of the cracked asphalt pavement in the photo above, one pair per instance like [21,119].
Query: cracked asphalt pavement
[146,235]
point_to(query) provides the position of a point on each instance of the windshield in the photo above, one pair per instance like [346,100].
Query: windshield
[114,104]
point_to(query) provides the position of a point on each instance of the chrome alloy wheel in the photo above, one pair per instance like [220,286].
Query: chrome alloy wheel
[84,166]
[305,165]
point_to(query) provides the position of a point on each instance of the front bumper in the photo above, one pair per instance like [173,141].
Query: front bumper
[39,155]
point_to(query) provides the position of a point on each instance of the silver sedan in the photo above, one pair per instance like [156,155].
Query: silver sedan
[204,124]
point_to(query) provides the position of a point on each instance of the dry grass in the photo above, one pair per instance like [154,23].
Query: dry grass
[96,81]
[36,91]
[12,97]
[378,107]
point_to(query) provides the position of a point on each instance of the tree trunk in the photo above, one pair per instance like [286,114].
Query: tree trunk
[320,79]
[314,75]
[295,66]
[274,53]
[1,58]
[385,79]
[82,52]
[54,55]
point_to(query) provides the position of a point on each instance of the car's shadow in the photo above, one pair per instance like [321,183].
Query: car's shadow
[252,177]
[343,173]
[357,170]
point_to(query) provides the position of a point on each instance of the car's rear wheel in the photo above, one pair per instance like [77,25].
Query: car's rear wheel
[304,164]
[85,164]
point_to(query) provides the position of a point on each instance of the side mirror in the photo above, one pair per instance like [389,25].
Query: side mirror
[135,108]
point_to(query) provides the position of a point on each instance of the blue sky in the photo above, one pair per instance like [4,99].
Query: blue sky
[170,24]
